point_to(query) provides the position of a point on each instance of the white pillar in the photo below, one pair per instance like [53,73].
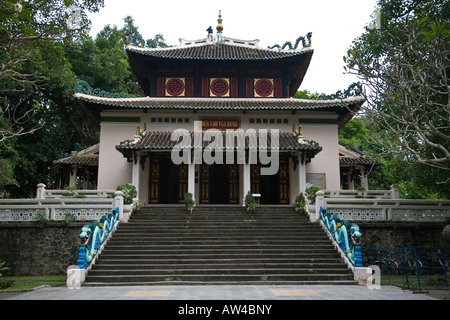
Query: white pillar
[246,181]
[395,192]
[86,179]
[136,174]
[73,176]
[191,179]
[301,175]
[320,201]
[118,202]
[364,183]
[75,277]
[40,192]
[350,179]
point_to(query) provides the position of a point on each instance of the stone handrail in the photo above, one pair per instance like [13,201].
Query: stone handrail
[375,194]
[86,193]
[56,205]
[54,209]
[42,193]
[357,209]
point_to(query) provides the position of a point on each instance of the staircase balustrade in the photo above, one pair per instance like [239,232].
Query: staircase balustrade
[345,234]
[94,235]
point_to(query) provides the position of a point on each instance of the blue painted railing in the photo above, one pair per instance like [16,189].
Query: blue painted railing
[92,236]
[346,234]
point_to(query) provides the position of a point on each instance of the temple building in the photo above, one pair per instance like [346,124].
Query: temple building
[218,120]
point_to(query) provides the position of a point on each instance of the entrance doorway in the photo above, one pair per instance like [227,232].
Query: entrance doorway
[269,188]
[219,184]
[168,182]
[274,189]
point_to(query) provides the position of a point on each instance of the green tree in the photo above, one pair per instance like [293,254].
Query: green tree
[403,61]
[354,134]
[103,63]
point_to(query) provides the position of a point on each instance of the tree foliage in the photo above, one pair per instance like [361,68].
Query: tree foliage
[56,123]
[27,26]
[403,61]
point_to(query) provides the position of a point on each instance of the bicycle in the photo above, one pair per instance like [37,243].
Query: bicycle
[409,264]
[386,264]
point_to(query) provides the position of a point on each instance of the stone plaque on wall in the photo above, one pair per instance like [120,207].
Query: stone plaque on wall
[317,179]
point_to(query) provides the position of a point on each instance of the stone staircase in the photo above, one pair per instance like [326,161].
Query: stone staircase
[218,245]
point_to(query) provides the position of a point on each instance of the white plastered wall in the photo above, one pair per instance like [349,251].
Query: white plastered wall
[113,168]
[327,160]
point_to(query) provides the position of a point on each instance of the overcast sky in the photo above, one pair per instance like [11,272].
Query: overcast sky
[334,24]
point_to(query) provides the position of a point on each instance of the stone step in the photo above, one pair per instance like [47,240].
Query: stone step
[209,264]
[217,240]
[218,227]
[188,247]
[208,255]
[227,260]
[219,245]
[222,279]
[216,271]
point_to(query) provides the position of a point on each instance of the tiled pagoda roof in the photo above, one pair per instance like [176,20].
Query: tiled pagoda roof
[86,157]
[349,161]
[161,140]
[219,103]
[82,161]
[341,106]
[216,51]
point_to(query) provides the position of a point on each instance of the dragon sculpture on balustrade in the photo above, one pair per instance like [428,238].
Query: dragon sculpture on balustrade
[346,234]
[92,236]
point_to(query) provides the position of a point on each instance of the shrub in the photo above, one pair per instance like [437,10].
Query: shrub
[41,218]
[311,194]
[6,283]
[188,200]
[300,202]
[129,192]
[249,201]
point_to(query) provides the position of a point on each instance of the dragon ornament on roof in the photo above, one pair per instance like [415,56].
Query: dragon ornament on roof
[84,87]
[297,42]
[354,90]
[137,41]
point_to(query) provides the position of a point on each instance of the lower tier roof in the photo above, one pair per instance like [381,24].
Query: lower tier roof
[344,107]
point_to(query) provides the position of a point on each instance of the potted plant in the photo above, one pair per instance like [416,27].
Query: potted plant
[250,203]
[189,202]
[299,203]
[136,206]
[311,196]
[129,193]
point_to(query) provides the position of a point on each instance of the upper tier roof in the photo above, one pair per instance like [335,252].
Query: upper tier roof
[229,53]
[218,51]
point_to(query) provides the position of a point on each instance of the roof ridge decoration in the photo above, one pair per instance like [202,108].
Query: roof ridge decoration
[354,90]
[84,87]
[137,41]
[219,28]
[297,42]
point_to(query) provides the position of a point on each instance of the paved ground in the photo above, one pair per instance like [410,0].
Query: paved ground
[207,292]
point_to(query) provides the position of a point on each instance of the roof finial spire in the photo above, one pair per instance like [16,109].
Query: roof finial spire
[219,28]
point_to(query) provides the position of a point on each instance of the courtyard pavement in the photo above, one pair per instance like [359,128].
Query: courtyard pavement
[225,292]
